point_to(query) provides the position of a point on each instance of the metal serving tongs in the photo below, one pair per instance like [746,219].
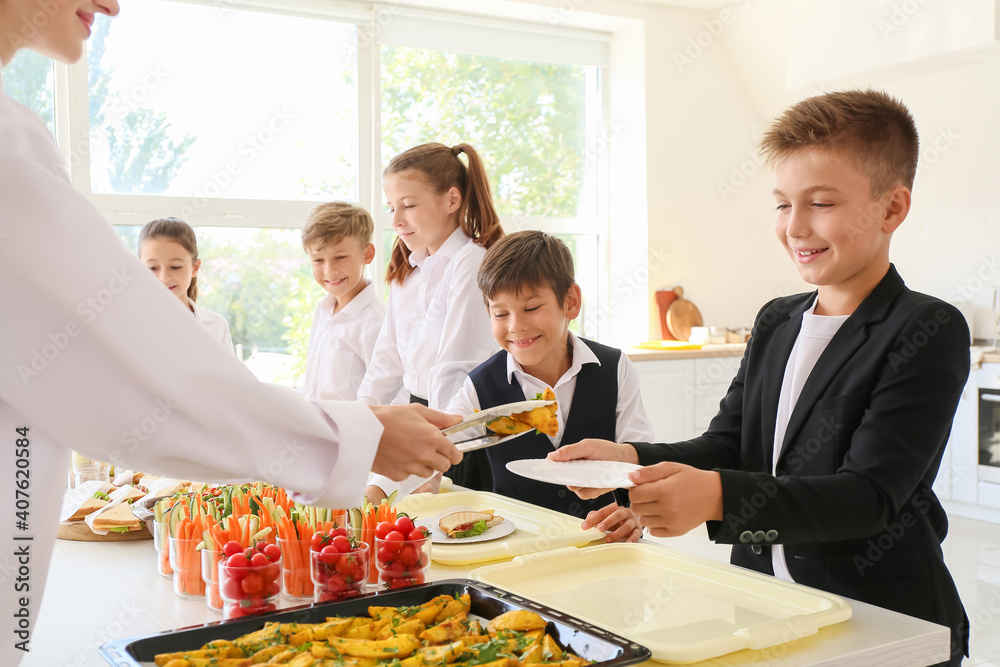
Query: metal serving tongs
[490,414]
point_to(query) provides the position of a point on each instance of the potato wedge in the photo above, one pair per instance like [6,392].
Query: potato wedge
[454,627]
[414,626]
[454,607]
[400,646]
[219,653]
[551,648]
[265,654]
[521,620]
[334,627]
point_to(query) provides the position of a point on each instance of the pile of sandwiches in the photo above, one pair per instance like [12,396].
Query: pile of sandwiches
[128,487]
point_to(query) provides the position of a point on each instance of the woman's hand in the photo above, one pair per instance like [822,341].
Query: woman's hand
[620,523]
[412,443]
[595,450]
[670,498]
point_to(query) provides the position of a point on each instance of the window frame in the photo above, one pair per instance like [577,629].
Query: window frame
[72,123]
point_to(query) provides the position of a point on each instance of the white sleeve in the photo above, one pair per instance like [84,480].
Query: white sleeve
[96,354]
[384,377]
[466,337]
[632,423]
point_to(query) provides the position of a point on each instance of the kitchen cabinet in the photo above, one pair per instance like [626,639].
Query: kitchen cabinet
[682,393]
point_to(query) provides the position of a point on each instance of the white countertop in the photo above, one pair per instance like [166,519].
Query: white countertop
[98,592]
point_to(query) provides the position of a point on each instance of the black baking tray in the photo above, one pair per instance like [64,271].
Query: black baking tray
[579,637]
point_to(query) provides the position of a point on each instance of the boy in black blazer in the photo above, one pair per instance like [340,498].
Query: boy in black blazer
[819,465]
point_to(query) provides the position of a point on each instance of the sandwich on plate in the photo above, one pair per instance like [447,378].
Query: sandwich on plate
[118,519]
[468,524]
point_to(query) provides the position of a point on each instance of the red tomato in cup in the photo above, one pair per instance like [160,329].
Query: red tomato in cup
[383,529]
[404,524]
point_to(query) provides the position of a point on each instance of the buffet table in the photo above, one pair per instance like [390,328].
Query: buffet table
[98,592]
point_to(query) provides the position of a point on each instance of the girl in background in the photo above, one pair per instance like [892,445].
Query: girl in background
[436,328]
[169,248]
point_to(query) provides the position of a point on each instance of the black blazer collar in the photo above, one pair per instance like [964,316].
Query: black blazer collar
[853,333]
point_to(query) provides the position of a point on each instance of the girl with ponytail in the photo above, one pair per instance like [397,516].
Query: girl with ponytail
[437,328]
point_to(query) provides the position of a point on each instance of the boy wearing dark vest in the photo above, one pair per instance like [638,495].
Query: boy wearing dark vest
[528,284]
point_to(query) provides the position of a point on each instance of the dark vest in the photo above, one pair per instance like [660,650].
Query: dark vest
[592,415]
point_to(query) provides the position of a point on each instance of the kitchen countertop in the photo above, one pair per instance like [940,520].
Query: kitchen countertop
[706,352]
[98,592]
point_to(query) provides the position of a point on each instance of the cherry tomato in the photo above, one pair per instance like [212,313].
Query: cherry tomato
[273,552]
[319,540]
[404,524]
[417,534]
[336,584]
[394,540]
[232,547]
[340,530]
[252,583]
[342,544]
[383,529]
[259,560]
[386,555]
[238,561]
[424,559]
[232,588]
[409,555]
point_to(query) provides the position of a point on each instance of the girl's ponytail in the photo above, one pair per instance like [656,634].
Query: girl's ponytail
[478,217]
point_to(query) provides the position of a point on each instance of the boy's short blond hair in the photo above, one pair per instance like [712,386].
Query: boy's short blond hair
[335,221]
[869,128]
[523,260]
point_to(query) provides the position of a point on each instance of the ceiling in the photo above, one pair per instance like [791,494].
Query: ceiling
[707,5]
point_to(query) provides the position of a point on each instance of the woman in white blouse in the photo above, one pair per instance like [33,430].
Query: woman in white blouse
[91,346]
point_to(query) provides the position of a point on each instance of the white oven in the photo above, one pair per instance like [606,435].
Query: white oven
[973,473]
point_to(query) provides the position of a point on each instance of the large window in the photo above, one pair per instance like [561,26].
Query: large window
[239,117]
[223,104]
[29,80]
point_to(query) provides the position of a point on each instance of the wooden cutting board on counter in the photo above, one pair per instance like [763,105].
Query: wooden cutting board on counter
[683,315]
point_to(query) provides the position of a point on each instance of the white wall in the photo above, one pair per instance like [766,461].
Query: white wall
[713,82]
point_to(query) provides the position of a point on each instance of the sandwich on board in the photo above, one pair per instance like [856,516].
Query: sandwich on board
[118,519]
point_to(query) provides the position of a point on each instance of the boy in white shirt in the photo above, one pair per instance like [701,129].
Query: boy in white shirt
[528,284]
[338,239]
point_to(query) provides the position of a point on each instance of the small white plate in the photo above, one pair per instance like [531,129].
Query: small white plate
[582,473]
[502,529]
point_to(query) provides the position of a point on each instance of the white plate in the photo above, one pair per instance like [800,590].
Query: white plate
[502,529]
[589,474]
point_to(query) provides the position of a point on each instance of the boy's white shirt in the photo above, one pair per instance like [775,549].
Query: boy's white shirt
[216,324]
[436,330]
[632,424]
[98,358]
[816,333]
[341,345]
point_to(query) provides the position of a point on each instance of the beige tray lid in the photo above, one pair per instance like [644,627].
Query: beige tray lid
[683,608]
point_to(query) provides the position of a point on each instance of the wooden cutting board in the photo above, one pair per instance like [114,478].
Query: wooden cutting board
[79,531]
[683,315]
